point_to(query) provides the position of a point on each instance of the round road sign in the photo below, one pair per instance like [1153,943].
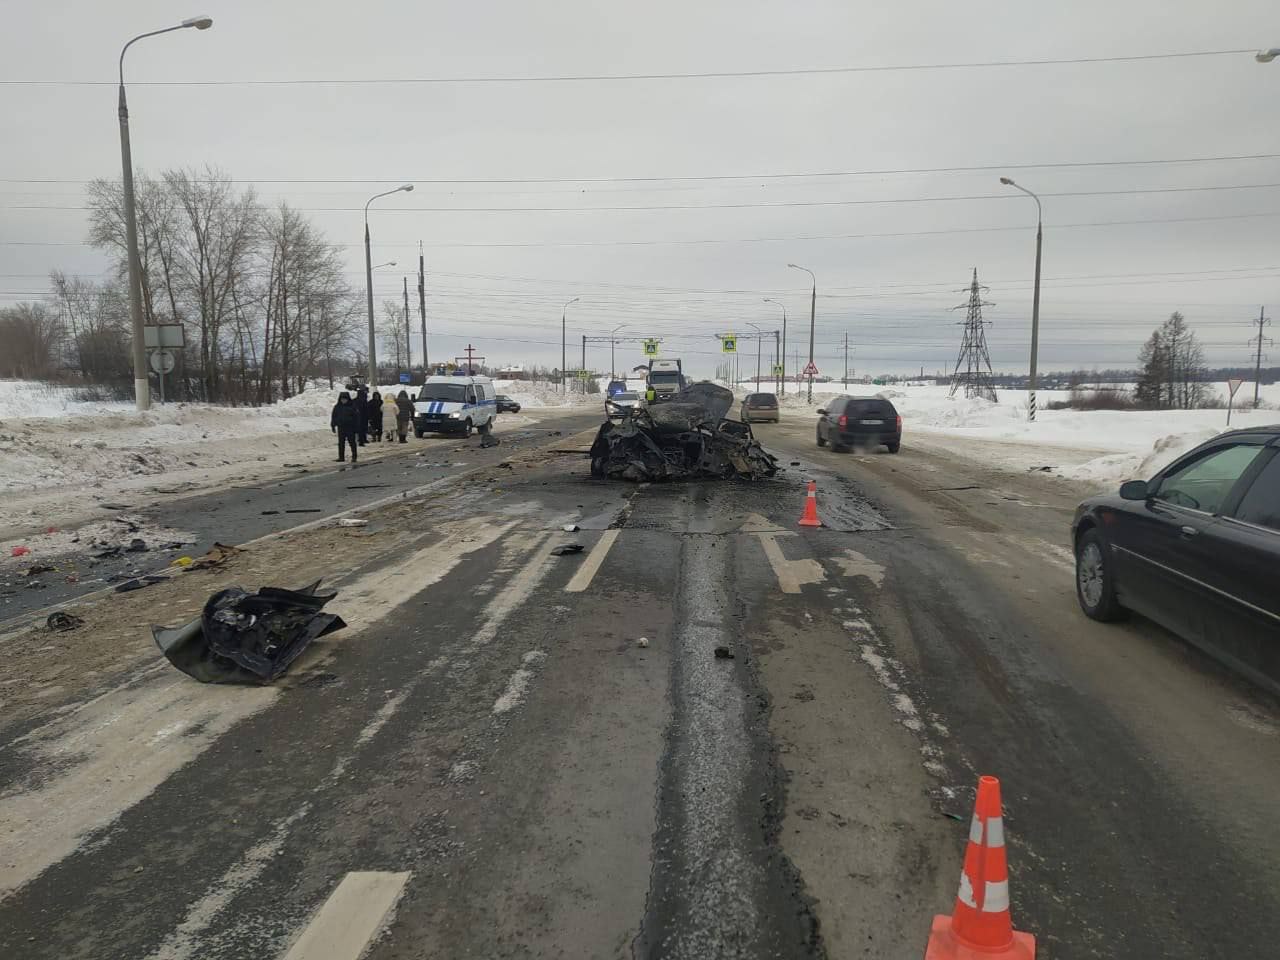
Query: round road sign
[162,361]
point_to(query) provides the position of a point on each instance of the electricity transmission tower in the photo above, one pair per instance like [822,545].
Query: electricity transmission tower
[973,365]
[1261,323]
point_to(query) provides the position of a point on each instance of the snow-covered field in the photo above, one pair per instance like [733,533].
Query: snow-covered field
[1092,445]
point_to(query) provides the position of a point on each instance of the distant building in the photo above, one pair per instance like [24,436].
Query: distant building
[513,371]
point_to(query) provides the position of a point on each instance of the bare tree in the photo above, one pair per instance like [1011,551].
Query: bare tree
[32,335]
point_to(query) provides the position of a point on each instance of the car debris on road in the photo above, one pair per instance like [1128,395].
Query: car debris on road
[686,436]
[243,637]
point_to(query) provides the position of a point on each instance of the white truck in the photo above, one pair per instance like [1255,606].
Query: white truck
[665,378]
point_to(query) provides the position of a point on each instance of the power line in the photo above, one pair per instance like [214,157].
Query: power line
[403,209]
[607,77]
[707,177]
[710,240]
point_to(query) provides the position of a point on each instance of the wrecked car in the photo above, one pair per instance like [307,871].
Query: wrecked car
[682,438]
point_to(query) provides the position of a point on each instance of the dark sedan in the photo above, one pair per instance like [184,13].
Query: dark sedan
[860,422]
[506,404]
[1196,548]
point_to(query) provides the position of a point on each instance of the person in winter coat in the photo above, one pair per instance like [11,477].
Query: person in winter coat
[374,412]
[345,422]
[404,415]
[390,412]
[362,414]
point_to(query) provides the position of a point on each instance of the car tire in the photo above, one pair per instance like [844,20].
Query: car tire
[821,441]
[894,447]
[1095,582]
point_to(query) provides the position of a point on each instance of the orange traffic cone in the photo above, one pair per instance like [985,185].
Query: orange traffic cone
[980,926]
[810,518]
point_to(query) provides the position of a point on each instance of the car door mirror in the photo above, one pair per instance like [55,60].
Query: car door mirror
[1134,490]
[822,413]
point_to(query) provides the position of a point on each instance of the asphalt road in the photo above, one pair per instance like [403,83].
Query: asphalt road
[490,762]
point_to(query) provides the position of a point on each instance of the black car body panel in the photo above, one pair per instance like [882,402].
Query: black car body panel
[506,404]
[860,422]
[1200,553]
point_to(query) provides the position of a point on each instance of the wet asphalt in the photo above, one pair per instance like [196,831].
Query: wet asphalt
[494,728]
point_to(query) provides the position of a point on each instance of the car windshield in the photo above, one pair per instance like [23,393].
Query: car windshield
[449,392]
[627,395]
[762,400]
[664,377]
[504,398]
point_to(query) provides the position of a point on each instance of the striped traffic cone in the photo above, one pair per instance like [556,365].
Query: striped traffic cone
[980,926]
[810,517]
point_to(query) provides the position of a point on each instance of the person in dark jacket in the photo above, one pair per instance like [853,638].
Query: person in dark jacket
[362,414]
[404,415]
[345,422]
[374,415]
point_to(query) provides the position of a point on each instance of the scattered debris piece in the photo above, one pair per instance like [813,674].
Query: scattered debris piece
[182,562]
[219,554]
[686,436]
[38,568]
[570,528]
[352,522]
[507,465]
[368,486]
[51,530]
[19,551]
[642,642]
[724,653]
[294,465]
[243,637]
[138,583]
[136,545]
[114,506]
[106,552]
[566,549]
[795,463]
[268,513]
[61,621]
[1044,469]
[303,510]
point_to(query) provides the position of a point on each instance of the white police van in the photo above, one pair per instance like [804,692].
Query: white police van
[455,405]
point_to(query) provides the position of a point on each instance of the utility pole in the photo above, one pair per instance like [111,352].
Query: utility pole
[777,359]
[582,372]
[408,350]
[422,306]
[564,359]
[846,360]
[1261,322]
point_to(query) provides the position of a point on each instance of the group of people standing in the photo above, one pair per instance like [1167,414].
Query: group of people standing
[354,420]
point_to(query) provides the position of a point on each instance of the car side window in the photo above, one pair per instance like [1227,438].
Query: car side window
[471,394]
[1205,483]
[834,409]
[1261,503]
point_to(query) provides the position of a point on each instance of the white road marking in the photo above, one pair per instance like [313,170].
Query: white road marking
[791,574]
[351,917]
[185,941]
[582,579]
[854,564]
[518,589]
[379,720]
[517,686]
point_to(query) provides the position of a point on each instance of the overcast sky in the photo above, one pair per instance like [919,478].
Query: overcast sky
[499,278]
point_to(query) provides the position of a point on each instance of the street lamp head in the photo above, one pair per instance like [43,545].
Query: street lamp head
[1266,56]
[1007,182]
[797,266]
[200,23]
[406,187]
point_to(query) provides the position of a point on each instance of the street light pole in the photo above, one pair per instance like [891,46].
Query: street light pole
[782,353]
[1035,299]
[613,370]
[813,312]
[141,380]
[368,281]
[564,356]
[759,337]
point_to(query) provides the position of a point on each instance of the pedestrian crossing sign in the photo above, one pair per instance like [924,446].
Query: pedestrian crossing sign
[729,343]
[779,370]
[651,348]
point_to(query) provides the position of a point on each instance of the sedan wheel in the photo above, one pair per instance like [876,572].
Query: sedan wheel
[1095,583]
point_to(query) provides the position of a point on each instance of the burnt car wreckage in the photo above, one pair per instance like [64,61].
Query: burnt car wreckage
[681,438]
